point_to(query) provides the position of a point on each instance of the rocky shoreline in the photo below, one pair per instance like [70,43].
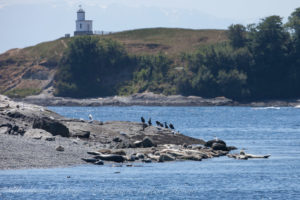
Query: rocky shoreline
[151,99]
[32,136]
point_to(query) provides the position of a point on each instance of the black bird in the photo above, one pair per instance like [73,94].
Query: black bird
[142,119]
[161,125]
[171,126]
[166,125]
[149,122]
[157,123]
[144,126]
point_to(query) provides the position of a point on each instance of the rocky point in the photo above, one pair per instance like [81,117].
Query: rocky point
[39,137]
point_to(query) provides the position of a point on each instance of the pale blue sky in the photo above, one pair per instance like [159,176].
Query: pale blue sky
[28,22]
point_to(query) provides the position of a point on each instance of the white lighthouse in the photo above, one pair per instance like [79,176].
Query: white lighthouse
[83,27]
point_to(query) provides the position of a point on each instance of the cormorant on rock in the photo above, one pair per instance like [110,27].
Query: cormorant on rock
[149,122]
[171,126]
[157,123]
[144,126]
[142,119]
[90,117]
[166,125]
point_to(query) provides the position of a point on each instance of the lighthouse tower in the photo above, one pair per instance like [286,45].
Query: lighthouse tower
[83,27]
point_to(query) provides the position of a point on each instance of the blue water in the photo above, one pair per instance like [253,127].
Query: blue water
[260,131]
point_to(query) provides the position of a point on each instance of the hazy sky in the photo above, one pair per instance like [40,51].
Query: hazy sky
[28,22]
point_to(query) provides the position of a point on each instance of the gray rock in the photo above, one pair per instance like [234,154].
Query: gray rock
[230,148]
[219,146]
[52,126]
[140,155]
[124,145]
[60,148]
[82,134]
[117,139]
[165,157]
[105,151]
[97,122]
[211,142]
[120,152]
[147,142]
[197,148]
[192,157]
[11,129]
[90,160]
[111,157]
[38,134]
[222,153]
[123,134]
[4,130]
[16,130]
[133,157]
[50,139]
[148,160]
[16,115]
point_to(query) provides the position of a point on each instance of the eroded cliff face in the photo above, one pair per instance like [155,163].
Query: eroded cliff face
[20,71]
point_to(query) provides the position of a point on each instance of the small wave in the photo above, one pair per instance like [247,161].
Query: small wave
[267,108]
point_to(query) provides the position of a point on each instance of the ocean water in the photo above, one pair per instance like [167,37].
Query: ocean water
[274,131]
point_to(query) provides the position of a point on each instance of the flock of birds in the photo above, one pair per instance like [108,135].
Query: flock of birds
[159,124]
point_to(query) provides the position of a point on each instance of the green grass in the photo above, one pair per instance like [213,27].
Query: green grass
[49,50]
[172,41]
[21,93]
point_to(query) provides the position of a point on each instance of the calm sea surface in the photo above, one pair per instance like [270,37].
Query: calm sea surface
[260,131]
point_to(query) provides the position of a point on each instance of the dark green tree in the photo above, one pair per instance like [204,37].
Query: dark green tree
[269,46]
[91,67]
[293,25]
[237,35]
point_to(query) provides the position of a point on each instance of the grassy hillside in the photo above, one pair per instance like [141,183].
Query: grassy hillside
[172,41]
[141,41]
[33,68]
